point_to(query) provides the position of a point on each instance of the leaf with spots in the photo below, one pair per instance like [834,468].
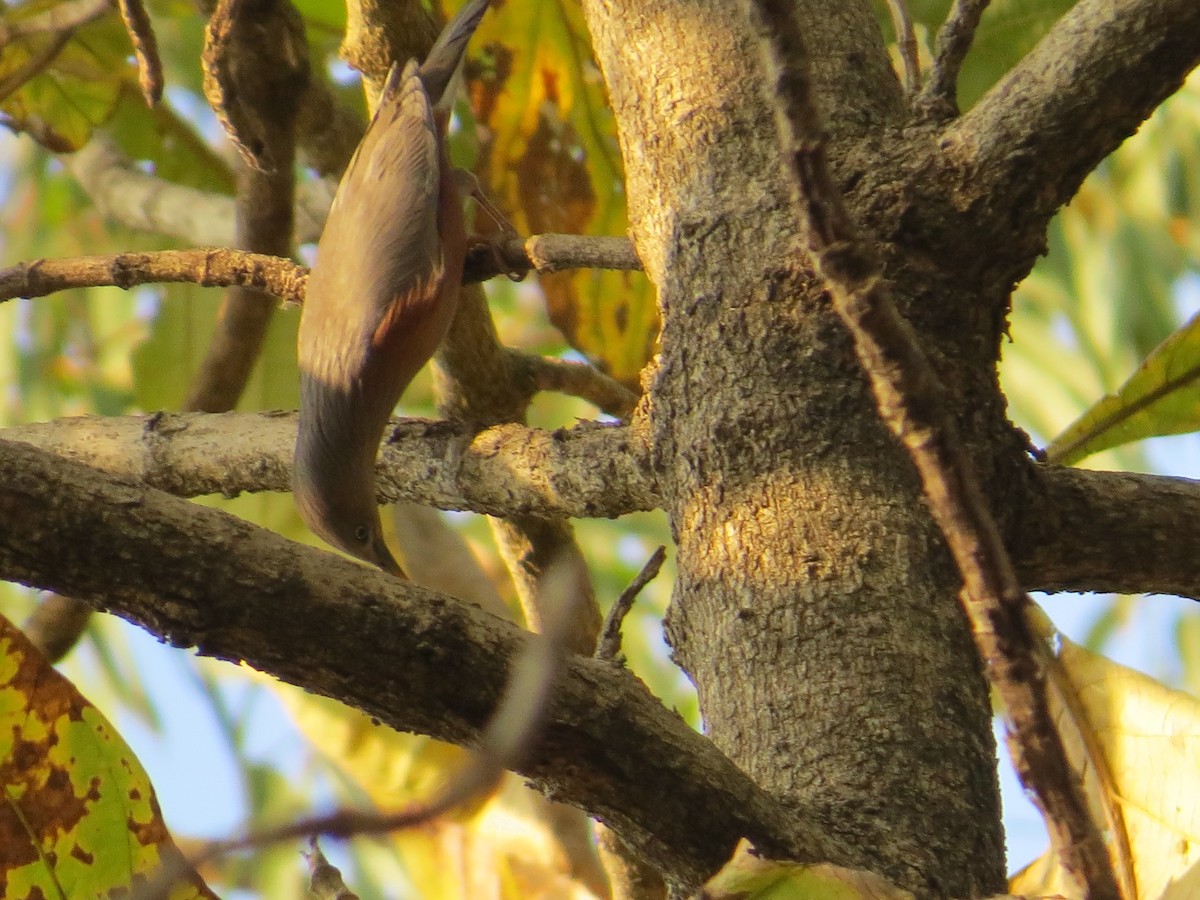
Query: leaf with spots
[78,817]
[548,153]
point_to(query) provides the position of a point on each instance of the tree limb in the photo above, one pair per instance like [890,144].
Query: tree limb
[256,72]
[1109,531]
[127,195]
[1027,145]
[589,471]
[1080,530]
[196,576]
[220,267]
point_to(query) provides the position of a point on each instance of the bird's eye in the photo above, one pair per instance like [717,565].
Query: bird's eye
[361,534]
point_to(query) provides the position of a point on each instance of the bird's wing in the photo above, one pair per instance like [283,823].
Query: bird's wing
[380,242]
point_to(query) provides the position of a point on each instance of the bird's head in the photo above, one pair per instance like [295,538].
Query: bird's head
[338,504]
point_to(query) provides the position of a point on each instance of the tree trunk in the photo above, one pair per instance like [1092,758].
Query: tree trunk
[816,606]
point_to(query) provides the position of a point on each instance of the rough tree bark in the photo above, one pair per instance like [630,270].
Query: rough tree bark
[815,609]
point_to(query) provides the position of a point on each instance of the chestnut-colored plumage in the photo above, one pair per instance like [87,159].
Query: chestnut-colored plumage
[380,296]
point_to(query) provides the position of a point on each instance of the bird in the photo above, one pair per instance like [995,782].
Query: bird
[380,295]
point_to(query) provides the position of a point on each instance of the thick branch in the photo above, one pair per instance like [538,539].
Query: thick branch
[1109,531]
[197,576]
[1088,85]
[589,471]
[1084,531]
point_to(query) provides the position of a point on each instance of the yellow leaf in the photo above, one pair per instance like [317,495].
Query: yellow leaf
[503,846]
[78,817]
[1136,744]
[550,156]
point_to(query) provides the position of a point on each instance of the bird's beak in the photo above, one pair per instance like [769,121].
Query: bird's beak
[384,559]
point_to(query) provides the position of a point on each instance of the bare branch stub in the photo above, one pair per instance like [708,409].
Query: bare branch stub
[911,405]
[939,99]
[578,379]
[549,253]
[609,645]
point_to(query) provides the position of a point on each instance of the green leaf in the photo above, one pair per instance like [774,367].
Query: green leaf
[1008,30]
[1103,298]
[169,143]
[1161,397]
[78,816]
[77,89]
[748,876]
[322,15]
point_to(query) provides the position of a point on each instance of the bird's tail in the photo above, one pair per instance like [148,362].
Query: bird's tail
[442,62]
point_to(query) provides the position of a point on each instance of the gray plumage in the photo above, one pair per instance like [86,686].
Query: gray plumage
[380,296]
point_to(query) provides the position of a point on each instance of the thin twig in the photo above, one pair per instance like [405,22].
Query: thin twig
[906,44]
[218,267]
[910,403]
[940,96]
[145,49]
[207,267]
[609,644]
